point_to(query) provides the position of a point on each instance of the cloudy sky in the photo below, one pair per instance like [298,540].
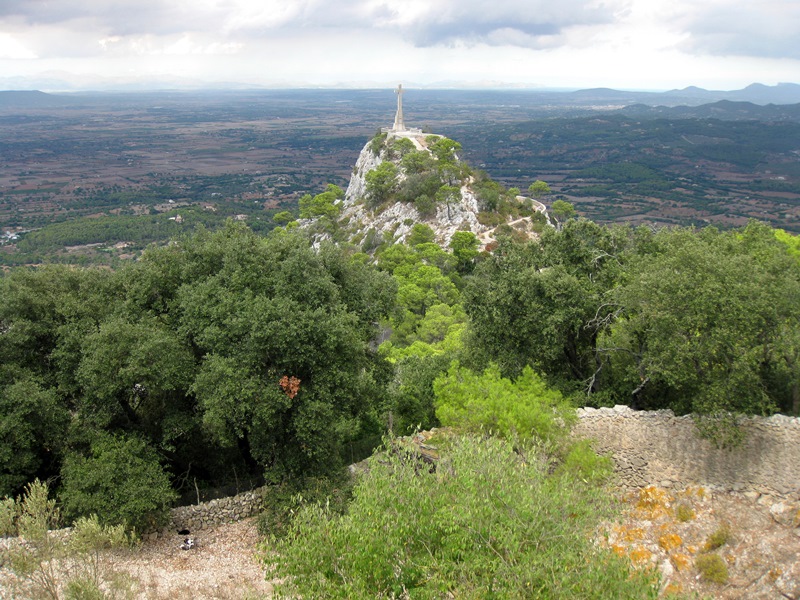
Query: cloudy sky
[630,44]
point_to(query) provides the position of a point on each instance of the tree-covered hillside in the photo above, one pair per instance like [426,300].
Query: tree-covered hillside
[230,356]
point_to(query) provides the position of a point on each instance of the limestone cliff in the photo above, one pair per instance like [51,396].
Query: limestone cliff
[368,218]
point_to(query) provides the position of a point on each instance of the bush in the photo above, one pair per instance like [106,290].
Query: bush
[719,538]
[283,501]
[377,143]
[121,481]
[485,524]
[421,184]
[684,512]
[51,561]
[582,462]
[712,567]
[420,234]
[8,517]
[381,183]
[425,205]
[524,409]
[412,395]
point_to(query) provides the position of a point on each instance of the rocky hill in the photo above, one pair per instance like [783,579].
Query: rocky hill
[403,178]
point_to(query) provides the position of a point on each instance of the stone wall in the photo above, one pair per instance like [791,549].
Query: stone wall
[656,447]
[217,512]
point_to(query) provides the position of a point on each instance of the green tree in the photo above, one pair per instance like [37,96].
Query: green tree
[381,182]
[448,195]
[120,480]
[401,147]
[539,188]
[35,304]
[420,234]
[275,308]
[562,211]
[33,425]
[464,245]
[704,317]
[412,398]
[444,149]
[283,217]
[792,241]
[322,205]
[131,372]
[541,303]
[417,162]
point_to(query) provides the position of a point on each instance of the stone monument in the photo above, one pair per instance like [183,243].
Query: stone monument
[398,118]
[399,128]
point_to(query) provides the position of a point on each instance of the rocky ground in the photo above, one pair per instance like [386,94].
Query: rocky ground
[757,539]
[223,565]
[660,528]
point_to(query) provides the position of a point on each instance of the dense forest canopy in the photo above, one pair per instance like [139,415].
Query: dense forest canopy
[220,352]
[230,355]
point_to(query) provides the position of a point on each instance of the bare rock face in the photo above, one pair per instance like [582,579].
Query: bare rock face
[395,221]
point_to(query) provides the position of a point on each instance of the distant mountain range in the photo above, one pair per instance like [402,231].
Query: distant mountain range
[742,103]
[757,93]
[724,109]
[31,99]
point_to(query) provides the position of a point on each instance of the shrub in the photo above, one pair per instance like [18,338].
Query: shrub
[284,501]
[377,143]
[524,409]
[420,234]
[425,205]
[49,562]
[485,524]
[418,184]
[582,462]
[712,567]
[684,512]
[489,219]
[381,183]
[8,517]
[121,481]
[719,538]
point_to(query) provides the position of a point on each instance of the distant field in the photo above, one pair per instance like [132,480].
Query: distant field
[250,154]
[670,171]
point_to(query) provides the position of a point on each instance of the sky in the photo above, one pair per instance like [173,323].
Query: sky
[623,44]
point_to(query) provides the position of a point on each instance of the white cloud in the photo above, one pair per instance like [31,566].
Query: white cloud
[12,48]
[769,29]
[623,43]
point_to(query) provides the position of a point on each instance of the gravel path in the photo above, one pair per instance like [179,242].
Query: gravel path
[222,565]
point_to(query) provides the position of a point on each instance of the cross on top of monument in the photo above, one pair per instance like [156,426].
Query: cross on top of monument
[399,125]
[399,128]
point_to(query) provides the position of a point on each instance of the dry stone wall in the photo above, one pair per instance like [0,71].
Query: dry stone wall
[648,447]
[659,448]
[217,512]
